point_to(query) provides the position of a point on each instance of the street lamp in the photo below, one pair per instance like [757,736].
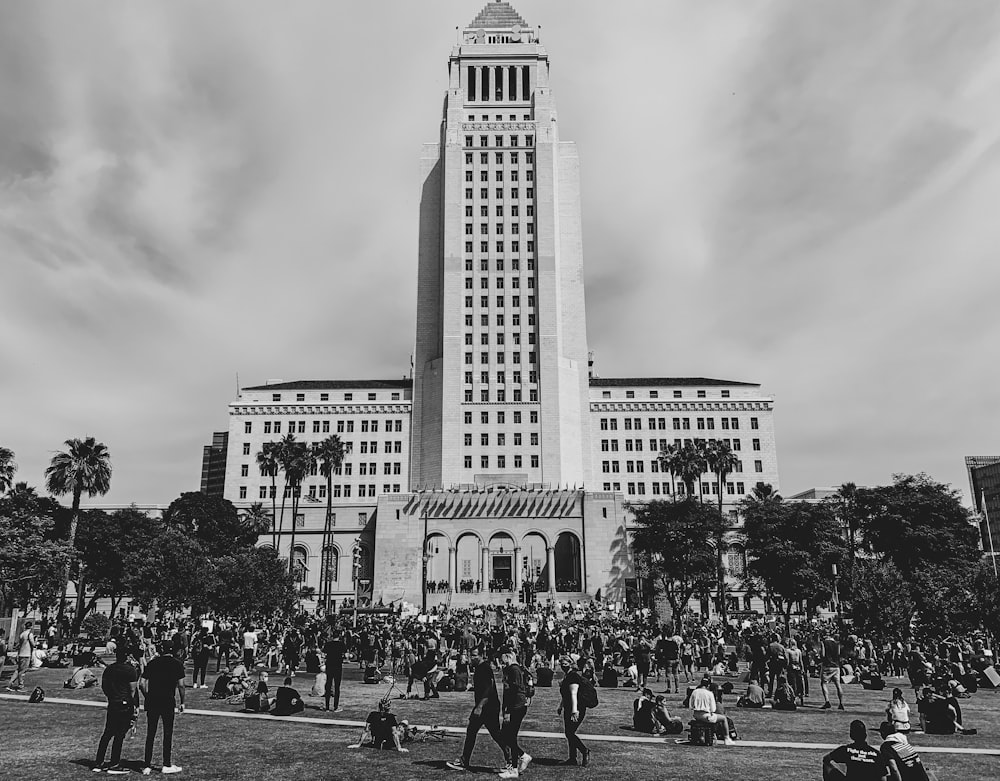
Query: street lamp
[426,559]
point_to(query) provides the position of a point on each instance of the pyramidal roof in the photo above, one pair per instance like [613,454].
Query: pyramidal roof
[498,15]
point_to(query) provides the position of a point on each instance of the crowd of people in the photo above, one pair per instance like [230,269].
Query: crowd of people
[463,650]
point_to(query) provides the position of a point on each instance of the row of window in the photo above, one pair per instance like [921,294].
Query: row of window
[660,488]
[339,491]
[484,247]
[499,338]
[498,175]
[653,394]
[611,445]
[498,283]
[501,395]
[501,462]
[346,468]
[484,141]
[515,264]
[515,211]
[326,397]
[515,193]
[501,439]
[500,417]
[679,424]
[515,320]
[654,466]
[501,357]
[484,378]
[323,426]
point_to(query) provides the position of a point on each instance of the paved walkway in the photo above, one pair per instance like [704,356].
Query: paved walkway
[325,722]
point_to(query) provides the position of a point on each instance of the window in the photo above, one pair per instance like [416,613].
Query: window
[316,427]
[734,423]
[468,417]
[754,423]
[275,397]
[243,492]
[534,462]
[248,427]
[701,394]
[263,492]
[484,417]
[246,448]
[629,394]
[725,394]
[756,444]
[467,462]
[484,462]
[758,466]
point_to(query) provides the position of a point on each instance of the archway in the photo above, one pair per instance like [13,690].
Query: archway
[469,563]
[534,553]
[300,567]
[501,562]
[567,556]
[437,563]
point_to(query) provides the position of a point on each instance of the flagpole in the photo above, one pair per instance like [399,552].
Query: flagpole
[989,534]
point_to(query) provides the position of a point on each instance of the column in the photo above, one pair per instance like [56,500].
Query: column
[451,569]
[516,570]
[484,570]
[551,567]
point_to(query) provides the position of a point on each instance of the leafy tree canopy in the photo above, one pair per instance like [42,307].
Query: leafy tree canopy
[211,520]
[32,561]
[253,582]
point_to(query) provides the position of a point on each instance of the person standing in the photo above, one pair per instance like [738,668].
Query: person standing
[249,647]
[25,653]
[161,680]
[572,708]
[830,671]
[225,646]
[201,649]
[334,650]
[485,713]
[119,682]
[514,708]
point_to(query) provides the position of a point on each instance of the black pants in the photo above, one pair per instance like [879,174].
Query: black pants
[570,728]
[334,675]
[116,726]
[200,667]
[223,657]
[153,717]
[774,669]
[508,734]
[489,719]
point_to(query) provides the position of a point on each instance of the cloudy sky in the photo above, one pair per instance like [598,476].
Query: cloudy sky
[804,195]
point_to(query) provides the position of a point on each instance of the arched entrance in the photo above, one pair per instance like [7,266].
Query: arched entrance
[534,551]
[568,569]
[437,563]
[501,562]
[469,564]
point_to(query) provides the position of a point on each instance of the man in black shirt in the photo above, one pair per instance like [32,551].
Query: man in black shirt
[334,650]
[381,727]
[863,762]
[119,685]
[486,712]
[287,700]
[162,678]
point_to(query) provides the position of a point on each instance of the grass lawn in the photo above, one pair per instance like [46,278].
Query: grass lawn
[58,741]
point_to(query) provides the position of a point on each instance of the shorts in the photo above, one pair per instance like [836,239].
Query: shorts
[831,674]
[673,665]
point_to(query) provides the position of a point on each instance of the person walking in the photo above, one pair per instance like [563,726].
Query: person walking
[25,653]
[514,708]
[830,671]
[119,683]
[485,713]
[572,708]
[334,650]
[161,680]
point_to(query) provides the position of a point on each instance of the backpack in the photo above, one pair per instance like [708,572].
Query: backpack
[196,646]
[37,694]
[587,694]
[529,682]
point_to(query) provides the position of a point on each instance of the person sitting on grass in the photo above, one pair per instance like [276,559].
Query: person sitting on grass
[861,760]
[221,689]
[81,678]
[287,701]
[940,714]
[669,725]
[544,675]
[784,695]
[381,727]
[900,760]
[754,698]
[258,701]
[609,676]
[705,709]
[898,712]
[643,713]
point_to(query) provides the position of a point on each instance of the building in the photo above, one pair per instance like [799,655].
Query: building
[503,461]
[213,465]
[984,486]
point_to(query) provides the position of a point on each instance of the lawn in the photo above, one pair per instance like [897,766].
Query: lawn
[57,741]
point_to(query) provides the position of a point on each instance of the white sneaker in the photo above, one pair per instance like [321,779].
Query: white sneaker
[523,762]
[146,771]
[168,769]
[508,772]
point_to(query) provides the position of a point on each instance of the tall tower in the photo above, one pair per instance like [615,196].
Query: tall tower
[500,391]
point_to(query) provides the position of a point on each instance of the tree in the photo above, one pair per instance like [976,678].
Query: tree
[688,462]
[256,520]
[793,547]
[719,458]
[173,571]
[329,455]
[881,605]
[33,563]
[285,452]
[917,523]
[251,582]
[7,469]
[268,463]
[211,520]
[84,467]
[299,462]
[674,545]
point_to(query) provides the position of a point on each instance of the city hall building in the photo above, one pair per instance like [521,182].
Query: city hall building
[501,461]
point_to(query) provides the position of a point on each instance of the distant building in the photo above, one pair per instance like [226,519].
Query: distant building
[812,494]
[213,465]
[504,462]
[984,485]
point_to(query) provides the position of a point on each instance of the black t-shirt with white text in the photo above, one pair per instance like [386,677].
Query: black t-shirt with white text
[862,761]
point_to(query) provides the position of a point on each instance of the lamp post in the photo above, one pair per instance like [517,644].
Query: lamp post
[426,559]
[989,535]
[836,597]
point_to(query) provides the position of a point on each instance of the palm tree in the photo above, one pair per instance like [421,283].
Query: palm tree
[847,495]
[7,469]
[719,458]
[764,493]
[329,454]
[300,462]
[668,463]
[687,462]
[85,467]
[256,520]
[284,454]
[268,463]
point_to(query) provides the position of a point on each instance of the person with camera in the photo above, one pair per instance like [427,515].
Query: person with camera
[120,683]
[161,680]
